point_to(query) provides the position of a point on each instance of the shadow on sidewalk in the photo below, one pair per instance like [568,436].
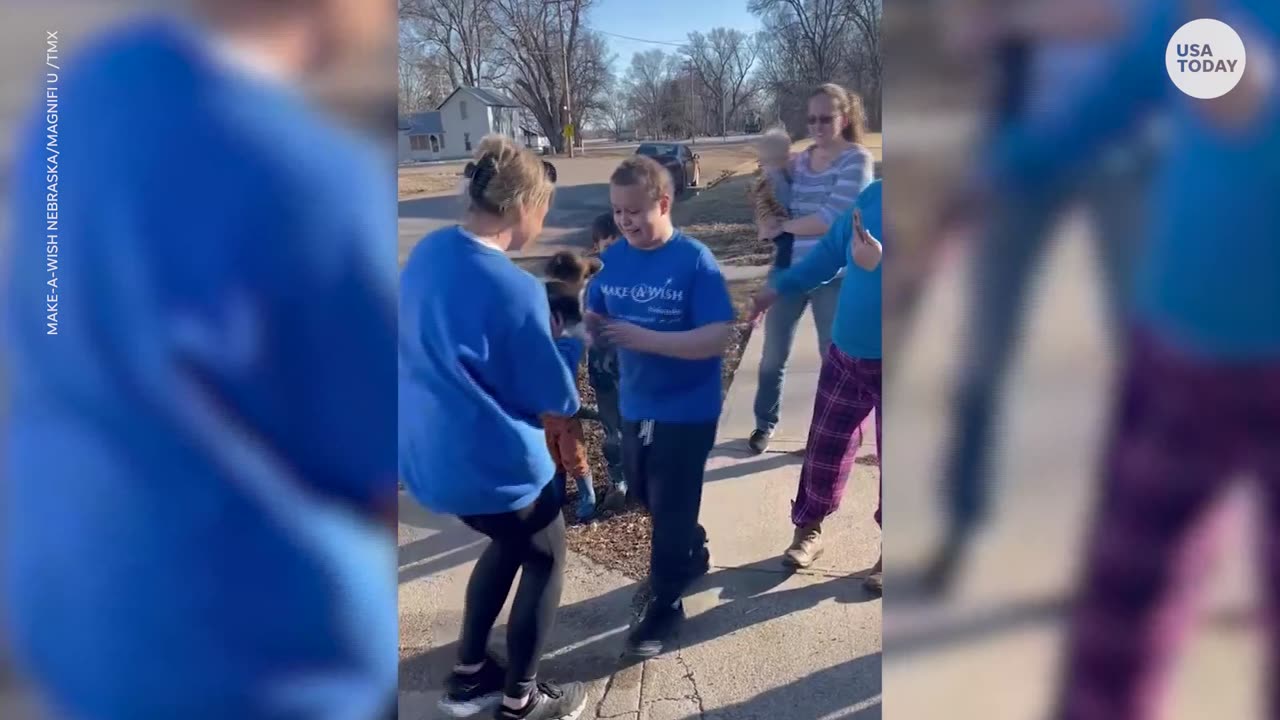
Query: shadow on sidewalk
[588,640]
[829,693]
[450,544]
[757,464]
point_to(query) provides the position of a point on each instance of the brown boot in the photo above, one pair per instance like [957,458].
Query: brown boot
[806,546]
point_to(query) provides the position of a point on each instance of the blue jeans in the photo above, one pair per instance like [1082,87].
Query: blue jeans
[780,325]
[1005,265]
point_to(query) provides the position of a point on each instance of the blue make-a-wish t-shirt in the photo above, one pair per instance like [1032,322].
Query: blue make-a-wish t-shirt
[201,343]
[478,370]
[676,287]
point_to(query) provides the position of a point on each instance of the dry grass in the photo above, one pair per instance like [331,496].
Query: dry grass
[428,181]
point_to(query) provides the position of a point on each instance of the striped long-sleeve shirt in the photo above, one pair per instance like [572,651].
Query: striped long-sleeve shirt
[830,192]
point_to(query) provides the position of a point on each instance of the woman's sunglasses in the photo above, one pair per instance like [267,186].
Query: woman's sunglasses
[821,119]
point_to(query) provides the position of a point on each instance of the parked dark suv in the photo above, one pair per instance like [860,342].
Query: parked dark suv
[679,160]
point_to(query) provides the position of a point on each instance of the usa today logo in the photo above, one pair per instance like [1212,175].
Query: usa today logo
[1205,58]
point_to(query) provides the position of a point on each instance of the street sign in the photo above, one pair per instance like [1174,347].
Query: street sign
[568,130]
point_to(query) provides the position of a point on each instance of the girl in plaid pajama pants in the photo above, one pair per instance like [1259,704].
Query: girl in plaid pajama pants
[1200,400]
[849,385]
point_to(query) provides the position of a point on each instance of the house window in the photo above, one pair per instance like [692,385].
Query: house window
[462,108]
[466,140]
[418,142]
[435,144]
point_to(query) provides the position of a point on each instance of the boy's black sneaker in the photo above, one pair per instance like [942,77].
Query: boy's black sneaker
[549,702]
[655,630]
[469,695]
[758,442]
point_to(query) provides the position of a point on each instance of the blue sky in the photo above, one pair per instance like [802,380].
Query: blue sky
[666,20]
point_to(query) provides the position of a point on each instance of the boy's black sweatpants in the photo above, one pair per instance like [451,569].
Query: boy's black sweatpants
[664,464]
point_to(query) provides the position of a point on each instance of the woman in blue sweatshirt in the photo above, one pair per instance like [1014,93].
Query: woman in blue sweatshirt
[1200,395]
[478,368]
[849,385]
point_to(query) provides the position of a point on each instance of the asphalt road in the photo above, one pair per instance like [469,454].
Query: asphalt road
[582,192]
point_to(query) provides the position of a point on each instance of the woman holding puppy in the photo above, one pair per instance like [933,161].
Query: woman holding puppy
[825,181]
[478,369]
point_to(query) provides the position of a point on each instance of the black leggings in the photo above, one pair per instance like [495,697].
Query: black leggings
[664,464]
[530,539]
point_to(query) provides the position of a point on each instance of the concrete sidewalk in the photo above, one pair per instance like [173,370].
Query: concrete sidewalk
[760,642]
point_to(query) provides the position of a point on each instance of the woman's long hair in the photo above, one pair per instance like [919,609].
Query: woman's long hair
[849,104]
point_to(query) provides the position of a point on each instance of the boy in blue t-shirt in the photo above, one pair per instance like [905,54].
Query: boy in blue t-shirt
[663,303]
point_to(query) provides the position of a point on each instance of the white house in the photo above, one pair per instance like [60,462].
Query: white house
[422,137]
[453,130]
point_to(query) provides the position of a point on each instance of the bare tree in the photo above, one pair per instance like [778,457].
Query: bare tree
[722,61]
[530,47]
[816,26]
[650,92]
[424,78]
[460,30]
[806,42]
[617,117]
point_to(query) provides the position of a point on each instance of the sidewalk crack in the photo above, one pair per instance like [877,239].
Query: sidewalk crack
[693,682]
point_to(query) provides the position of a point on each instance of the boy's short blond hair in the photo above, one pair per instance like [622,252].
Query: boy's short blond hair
[645,172]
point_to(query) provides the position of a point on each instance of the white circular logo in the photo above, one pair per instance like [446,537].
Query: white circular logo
[1205,58]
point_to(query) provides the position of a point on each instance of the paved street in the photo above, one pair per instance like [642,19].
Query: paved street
[761,643]
[582,192]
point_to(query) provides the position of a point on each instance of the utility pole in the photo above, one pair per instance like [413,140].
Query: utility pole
[564,70]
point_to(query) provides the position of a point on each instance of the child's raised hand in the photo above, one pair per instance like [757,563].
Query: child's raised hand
[865,251]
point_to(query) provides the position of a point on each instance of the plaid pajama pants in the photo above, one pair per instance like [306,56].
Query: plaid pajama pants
[1183,430]
[848,390]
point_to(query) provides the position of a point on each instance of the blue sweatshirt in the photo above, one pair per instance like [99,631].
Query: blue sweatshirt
[189,454]
[571,349]
[478,369]
[673,288]
[856,328]
[1209,276]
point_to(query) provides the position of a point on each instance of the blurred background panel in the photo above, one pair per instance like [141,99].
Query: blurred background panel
[990,647]
[360,92]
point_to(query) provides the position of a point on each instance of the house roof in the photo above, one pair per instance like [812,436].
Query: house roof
[488,96]
[423,123]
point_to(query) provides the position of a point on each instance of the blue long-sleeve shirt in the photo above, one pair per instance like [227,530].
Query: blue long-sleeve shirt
[478,369]
[220,383]
[856,328]
[1209,276]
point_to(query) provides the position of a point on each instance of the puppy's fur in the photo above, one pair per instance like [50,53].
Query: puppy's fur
[572,269]
[773,150]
